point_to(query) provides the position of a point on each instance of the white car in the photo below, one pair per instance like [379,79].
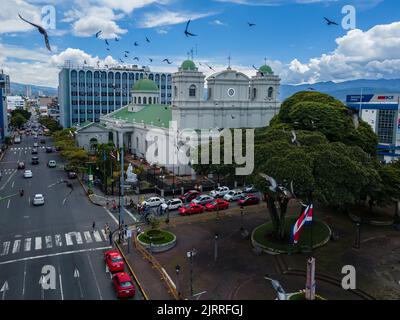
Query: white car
[153,202]
[52,164]
[38,200]
[219,192]
[173,204]
[203,199]
[233,195]
[28,174]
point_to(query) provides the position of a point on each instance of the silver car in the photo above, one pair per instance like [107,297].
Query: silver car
[203,199]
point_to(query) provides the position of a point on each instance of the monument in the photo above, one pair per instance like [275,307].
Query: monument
[131,177]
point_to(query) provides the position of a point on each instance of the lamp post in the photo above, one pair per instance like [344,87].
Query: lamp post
[241,218]
[281,295]
[216,247]
[177,270]
[190,255]
[357,242]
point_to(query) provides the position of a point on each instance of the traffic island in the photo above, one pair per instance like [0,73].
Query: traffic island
[312,237]
[156,240]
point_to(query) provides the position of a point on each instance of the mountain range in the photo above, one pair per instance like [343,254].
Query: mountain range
[19,89]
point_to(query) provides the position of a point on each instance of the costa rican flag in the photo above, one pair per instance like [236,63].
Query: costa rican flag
[306,217]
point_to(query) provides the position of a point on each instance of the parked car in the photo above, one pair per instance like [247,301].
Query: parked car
[21,165]
[251,188]
[52,164]
[191,208]
[114,261]
[72,175]
[233,195]
[189,196]
[217,204]
[219,192]
[35,160]
[153,202]
[42,141]
[49,149]
[123,285]
[249,200]
[173,204]
[34,151]
[28,174]
[35,145]
[203,199]
[38,200]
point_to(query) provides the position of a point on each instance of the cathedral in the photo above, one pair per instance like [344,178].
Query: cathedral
[231,100]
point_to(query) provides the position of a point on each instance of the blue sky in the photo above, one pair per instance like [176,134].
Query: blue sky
[290,34]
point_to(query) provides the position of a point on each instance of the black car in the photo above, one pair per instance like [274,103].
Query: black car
[49,149]
[21,165]
[34,151]
[35,160]
[42,141]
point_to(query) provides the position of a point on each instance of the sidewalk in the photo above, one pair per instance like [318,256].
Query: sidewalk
[149,278]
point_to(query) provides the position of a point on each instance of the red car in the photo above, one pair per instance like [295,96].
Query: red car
[249,200]
[217,204]
[191,208]
[123,285]
[189,196]
[114,261]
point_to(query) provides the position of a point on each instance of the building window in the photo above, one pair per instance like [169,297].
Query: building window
[137,142]
[175,91]
[254,93]
[192,91]
[386,120]
[144,100]
[134,99]
[139,100]
[150,100]
[209,93]
[270,92]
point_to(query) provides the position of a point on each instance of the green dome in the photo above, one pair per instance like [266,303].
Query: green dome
[266,69]
[145,85]
[188,65]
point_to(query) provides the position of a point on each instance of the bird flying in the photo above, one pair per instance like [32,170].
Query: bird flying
[312,89]
[98,33]
[136,44]
[41,30]
[167,61]
[116,39]
[122,61]
[136,58]
[108,49]
[126,56]
[329,22]
[150,59]
[106,42]
[211,68]
[251,24]
[187,33]
[148,40]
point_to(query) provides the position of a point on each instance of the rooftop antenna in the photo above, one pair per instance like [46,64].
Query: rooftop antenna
[229,62]
[265,60]
[191,53]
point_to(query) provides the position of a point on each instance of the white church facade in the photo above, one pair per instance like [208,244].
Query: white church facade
[154,131]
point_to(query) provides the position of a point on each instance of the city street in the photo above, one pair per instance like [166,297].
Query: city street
[55,240]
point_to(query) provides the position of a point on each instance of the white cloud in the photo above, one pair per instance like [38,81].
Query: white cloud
[9,20]
[218,22]
[166,18]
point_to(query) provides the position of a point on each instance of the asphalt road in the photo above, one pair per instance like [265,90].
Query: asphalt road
[55,240]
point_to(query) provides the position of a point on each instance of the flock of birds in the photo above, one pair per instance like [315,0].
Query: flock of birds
[187,33]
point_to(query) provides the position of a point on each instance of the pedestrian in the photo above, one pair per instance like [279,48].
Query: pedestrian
[94,225]
[110,237]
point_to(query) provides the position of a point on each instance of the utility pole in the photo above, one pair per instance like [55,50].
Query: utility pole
[121,217]
[215,247]
[190,255]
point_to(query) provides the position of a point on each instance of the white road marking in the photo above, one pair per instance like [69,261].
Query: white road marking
[131,215]
[104,234]
[23,284]
[17,245]
[12,185]
[61,288]
[8,180]
[55,254]
[111,215]
[49,242]
[69,235]
[87,236]
[8,203]
[38,243]
[97,236]
[27,245]
[58,241]
[94,276]
[6,247]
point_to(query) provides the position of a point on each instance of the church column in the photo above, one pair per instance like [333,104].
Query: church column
[115,138]
[120,139]
[132,143]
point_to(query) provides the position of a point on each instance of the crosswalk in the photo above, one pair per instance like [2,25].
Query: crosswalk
[8,171]
[52,241]
[26,148]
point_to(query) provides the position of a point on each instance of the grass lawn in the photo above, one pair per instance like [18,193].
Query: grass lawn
[157,236]
[316,233]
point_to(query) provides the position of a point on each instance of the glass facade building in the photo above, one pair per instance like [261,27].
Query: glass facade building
[86,93]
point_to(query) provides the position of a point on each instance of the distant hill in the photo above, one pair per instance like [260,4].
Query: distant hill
[20,89]
[340,90]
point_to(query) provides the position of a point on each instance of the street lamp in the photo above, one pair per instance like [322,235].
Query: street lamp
[190,255]
[216,247]
[241,218]
[177,270]
[277,287]
[357,242]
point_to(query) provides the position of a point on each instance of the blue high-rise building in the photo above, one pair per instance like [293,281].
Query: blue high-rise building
[86,93]
[4,90]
